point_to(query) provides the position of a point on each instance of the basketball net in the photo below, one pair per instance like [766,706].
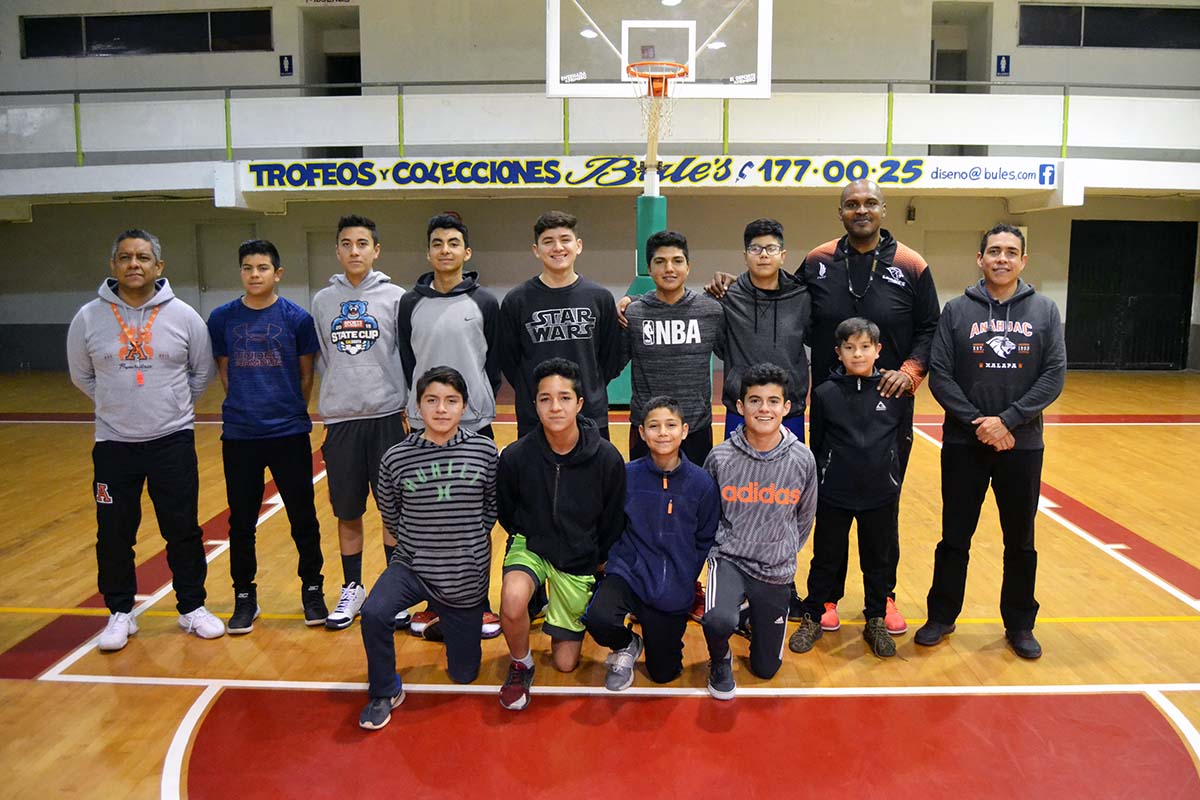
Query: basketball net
[657,107]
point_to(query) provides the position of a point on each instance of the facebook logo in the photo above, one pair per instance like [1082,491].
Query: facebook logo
[1046,175]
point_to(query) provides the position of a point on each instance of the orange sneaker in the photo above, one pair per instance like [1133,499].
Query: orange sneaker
[697,612]
[829,620]
[422,620]
[893,620]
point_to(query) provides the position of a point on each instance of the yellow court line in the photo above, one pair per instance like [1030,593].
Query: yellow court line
[103,612]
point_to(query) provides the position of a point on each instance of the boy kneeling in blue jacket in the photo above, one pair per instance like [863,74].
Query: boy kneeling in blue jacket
[671,512]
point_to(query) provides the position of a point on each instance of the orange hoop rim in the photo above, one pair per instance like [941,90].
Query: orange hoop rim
[657,83]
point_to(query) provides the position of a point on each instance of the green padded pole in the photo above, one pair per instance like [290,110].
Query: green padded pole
[651,218]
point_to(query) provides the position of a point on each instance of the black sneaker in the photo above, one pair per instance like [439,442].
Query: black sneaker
[378,712]
[315,610]
[245,611]
[743,623]
[1023,644]
[932,632]
[538,603]
[720,678]
[795,607]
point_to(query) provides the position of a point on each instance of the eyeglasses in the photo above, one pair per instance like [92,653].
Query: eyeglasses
[759,249]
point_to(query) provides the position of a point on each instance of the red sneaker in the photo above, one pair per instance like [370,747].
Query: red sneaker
[697,612]
[829,620]
[491,626]
[514,694]
[422,620]
[893,620]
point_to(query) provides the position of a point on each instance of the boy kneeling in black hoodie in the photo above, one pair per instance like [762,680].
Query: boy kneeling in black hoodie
[853,431]
[561,495]
[671,512]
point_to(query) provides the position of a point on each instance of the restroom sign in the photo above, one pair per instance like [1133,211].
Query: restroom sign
[1003,66]
[285,66]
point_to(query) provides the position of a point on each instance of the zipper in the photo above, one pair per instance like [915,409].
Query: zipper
[554,508]
[670,502]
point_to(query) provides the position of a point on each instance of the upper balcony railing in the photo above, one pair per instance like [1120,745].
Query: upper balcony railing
[94,126]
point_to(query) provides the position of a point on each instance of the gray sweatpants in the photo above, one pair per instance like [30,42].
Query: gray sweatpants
[728,585]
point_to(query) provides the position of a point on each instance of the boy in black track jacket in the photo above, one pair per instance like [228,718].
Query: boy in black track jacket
[561,497]
[854,438]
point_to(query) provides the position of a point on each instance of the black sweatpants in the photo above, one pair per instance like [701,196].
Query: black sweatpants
[728,585]
[1015,477]
[399,588]
[168,467]
[696,446]
[831,551]
[661,632]
[290,460]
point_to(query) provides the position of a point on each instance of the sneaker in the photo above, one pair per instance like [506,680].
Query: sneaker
[805,636]
[378,712]
[348,605]
[697,612]
[202,623]
[829,619]
[893,619]
[932,632]
[538,603]
[514,694]
[117,632]
[422,620]
[491,626]
[313,600]
[876,634]
[402,620]
[245,611]
[620,665]
[795,606]
[1023,644]
[720,678]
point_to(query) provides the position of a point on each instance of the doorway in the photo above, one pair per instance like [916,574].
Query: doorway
[1129,294]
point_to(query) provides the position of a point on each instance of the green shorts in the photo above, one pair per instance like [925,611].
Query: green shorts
[569,594]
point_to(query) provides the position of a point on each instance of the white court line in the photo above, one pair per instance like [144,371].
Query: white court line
[172,775]
[1047,506]
[646,691]
[1190,734]
[275,503]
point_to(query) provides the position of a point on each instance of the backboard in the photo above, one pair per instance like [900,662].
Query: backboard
[725,44]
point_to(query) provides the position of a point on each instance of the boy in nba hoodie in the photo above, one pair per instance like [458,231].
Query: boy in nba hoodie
[768,484]
[363,394]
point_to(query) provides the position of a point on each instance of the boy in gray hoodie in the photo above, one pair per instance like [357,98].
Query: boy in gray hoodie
[144,357]
[363,395]
[768,484]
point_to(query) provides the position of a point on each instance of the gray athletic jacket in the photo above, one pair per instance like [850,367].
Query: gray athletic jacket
[175,364]
[359,362]
[768,501]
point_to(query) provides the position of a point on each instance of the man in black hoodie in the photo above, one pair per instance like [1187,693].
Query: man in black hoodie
[998,360]
[561,497]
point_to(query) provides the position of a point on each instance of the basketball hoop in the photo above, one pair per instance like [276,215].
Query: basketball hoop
[657,105]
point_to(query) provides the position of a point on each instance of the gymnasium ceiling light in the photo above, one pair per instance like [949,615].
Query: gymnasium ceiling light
[588,33]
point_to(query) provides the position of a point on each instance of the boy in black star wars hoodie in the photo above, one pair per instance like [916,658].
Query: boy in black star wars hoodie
[854,438]
[768,484]
[998,360]
[561,497]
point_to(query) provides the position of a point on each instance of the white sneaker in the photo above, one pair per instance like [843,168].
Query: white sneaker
[118,630]
[202,623]
[347,608]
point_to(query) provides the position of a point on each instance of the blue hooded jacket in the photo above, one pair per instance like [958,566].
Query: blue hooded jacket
[670,525]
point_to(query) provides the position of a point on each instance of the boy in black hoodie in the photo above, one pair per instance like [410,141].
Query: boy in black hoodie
[854,433]
[998,359]
[561,496]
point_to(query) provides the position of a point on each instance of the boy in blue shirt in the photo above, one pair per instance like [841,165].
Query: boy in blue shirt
[671,514]
[264,346]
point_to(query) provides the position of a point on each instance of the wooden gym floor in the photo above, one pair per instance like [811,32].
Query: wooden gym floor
[1111,710]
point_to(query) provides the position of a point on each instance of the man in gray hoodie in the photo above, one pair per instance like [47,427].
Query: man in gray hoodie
[144,357]
[998,360]
[768,484]
[363,394]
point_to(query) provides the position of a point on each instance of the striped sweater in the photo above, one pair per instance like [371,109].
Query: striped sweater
[439,501]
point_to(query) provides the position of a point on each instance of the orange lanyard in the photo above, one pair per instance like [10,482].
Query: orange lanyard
[137,340]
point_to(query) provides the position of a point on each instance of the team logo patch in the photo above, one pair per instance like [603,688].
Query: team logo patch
[102,495]
[893,275]
[821,273]
[354,330]
[880,406]
[1001,345]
